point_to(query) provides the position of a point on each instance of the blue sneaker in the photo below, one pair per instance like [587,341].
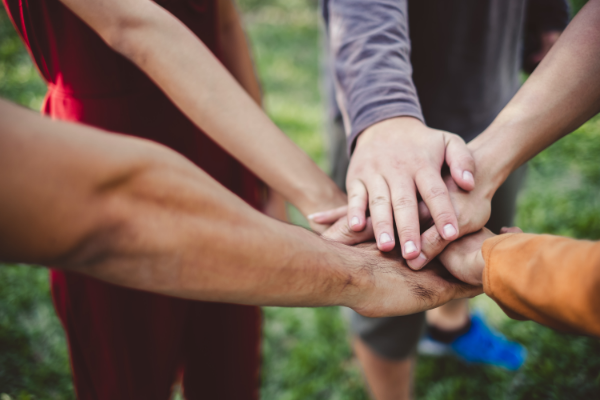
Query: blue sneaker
[480,344]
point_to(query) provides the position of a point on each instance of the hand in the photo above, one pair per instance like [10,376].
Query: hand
[341,232]
[393,160]
[463,258]
[394,289]
[473,210]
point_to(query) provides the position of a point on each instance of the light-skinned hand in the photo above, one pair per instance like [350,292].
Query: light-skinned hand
[394,161]
[463,258]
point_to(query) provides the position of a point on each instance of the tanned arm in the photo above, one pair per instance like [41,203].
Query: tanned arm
[135,213]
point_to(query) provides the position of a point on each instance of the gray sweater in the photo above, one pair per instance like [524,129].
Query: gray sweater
[455,68]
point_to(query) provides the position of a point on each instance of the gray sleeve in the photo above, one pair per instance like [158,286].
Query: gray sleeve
[370,57]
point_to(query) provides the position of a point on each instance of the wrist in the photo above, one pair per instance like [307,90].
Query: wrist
[319,198]
[479,267]
[494,160]
[396,125]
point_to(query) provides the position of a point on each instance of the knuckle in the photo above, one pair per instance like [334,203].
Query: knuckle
[433,241]
[404,202]
[381,225]
[406,232]
[436,192]
[356,197]
[444,216]
[379,201]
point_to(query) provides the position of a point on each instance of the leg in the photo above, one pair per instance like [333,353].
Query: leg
[222,352]
[385,348]
[124,344]
[388,379]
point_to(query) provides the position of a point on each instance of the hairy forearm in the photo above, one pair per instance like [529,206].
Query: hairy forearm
[137,214]
[561,94]
[183,67]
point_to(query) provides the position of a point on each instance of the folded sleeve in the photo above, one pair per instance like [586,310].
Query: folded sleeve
[552,280]
[370,55]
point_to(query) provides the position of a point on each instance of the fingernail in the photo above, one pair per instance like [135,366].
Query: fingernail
[354,221]
[418,262]
[468,176]
[409,247]
[384,238]
[315,215]
[449,231]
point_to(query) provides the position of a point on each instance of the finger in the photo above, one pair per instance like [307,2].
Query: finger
[329,216]
[514,229]
[381,212]
[357,205]
[461,162]
[432,244]
[341,232]
[406,214]
[435,195]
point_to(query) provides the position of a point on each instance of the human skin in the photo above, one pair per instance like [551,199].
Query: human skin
[192,77]
[393,160]
[135,213]
[561,94]
[236,57]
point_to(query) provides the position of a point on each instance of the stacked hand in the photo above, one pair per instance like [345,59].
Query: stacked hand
[463,258]
[398,170]
[395,289]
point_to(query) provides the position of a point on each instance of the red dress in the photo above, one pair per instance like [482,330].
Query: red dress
[128,344]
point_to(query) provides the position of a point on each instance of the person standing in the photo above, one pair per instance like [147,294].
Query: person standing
[405,73]
[124,343]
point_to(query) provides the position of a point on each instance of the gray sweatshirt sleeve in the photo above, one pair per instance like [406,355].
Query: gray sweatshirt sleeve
[370,56]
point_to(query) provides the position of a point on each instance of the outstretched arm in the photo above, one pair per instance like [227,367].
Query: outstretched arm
[134,213]
[552,280]
[560,95]
[185,69]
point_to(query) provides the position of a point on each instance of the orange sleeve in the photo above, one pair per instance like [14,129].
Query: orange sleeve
[549,279]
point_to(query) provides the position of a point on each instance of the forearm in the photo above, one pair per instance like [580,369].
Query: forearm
[561,94]
[137,214]
[549,279]
[196,82]
[234,49]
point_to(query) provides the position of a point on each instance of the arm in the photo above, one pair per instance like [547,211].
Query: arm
[235,52]
[549,279]
[134,213]
[180,64]
[396,155]
[236,56]
[560,95]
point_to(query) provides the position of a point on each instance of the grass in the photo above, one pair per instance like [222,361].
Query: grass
[306,351]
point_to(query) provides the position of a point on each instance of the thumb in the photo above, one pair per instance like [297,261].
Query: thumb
[461,162]
[341,232]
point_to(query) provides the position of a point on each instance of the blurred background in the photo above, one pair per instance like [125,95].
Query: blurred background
[306,354]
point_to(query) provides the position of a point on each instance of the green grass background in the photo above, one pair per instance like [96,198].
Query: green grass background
[306,351]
